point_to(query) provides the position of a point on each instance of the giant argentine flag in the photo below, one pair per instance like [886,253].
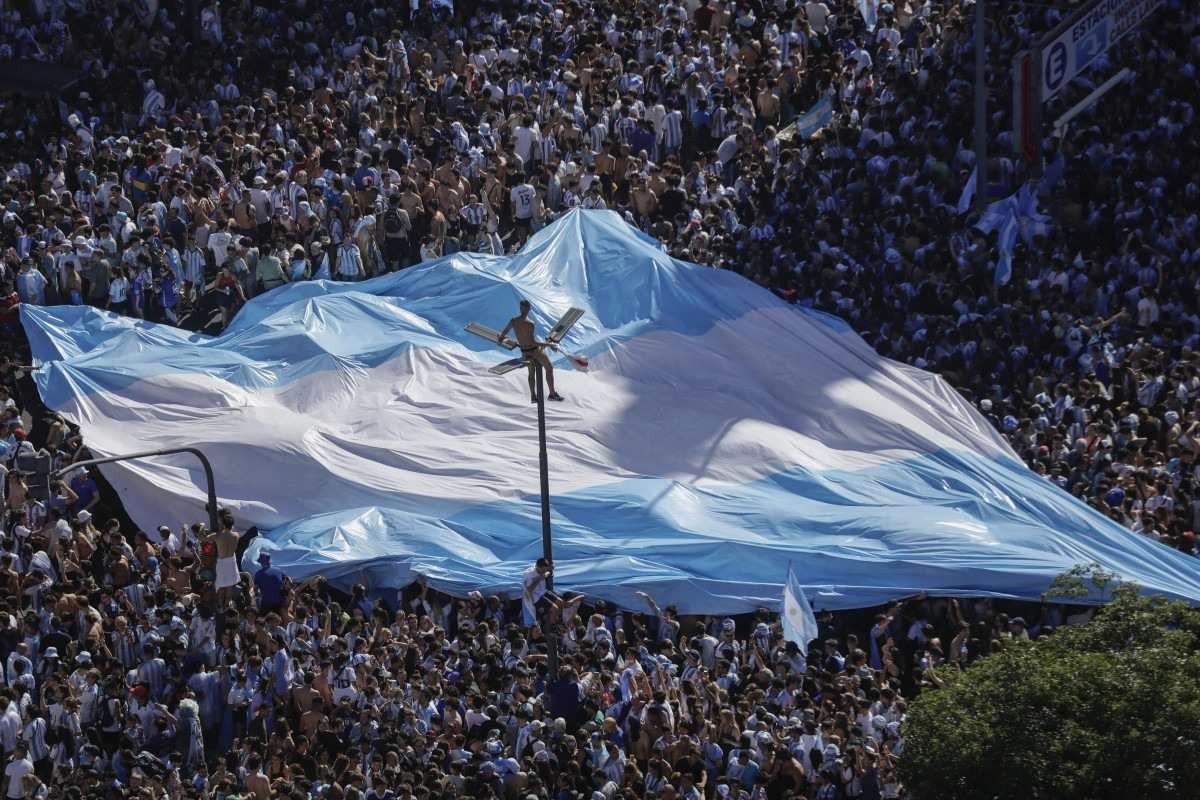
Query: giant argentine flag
[719,434]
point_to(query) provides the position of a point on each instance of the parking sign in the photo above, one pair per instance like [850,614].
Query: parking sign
[1055,67]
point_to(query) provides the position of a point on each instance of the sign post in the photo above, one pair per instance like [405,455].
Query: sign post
[1060,57]
[1025,140]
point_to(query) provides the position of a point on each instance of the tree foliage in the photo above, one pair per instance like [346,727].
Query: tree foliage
[1110,709]
[1073,584]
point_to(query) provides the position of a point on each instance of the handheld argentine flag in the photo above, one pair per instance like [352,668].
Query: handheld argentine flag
[816,118]
[1008,241]
[870,13]
[968,193]
[799,623]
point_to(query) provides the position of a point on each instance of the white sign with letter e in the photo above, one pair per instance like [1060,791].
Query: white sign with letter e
[1076,45]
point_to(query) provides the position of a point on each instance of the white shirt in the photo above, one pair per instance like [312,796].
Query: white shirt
[35,739]
[522,198]
[535,584]
[219,244]
[891,36]
[524,140]
[345,684]
[16,772]
[260,202]
[818,16]
[349,261]
[118,290]
[10,728]
[1147,312]
[628,676]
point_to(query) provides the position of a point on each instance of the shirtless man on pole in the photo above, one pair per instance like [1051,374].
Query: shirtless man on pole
[228,575]
[532,350]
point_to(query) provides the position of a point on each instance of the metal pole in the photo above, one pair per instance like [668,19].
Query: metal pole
[981,176]
[211,506]
[1035,68]
[547,546]
[191,10]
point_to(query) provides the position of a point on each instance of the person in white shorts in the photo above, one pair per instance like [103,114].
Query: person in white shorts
[228,575]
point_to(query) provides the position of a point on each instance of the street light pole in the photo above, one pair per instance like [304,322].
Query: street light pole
[560,329]
[211,506]
[981,138]
[547,542]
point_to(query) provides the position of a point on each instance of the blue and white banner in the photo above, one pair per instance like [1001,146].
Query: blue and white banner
[1016,216]
[718,434]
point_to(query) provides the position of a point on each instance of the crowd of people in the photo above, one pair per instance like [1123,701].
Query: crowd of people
[201,160]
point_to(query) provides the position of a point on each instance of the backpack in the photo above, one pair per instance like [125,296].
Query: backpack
[53,735]
[392,224]
[107,717]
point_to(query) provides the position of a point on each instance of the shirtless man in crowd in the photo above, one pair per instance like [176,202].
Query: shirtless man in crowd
[228,575]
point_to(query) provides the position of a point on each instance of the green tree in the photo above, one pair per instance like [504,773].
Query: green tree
[1110,709]
[1073,584]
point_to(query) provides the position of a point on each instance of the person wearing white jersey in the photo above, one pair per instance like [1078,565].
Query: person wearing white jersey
[523,197]
[344,680]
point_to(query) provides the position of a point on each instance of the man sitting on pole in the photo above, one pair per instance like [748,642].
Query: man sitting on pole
[533,350]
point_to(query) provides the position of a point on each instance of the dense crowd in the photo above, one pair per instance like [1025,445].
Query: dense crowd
[201,161]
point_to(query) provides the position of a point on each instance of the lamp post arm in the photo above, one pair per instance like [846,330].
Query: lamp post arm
[213,524]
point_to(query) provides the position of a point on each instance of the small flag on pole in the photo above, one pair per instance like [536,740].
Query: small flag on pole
[799,622]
